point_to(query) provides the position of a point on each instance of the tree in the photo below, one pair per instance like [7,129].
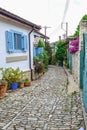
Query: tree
[41,44]
[61,52]
[78,27]
[49,51]
[45,56]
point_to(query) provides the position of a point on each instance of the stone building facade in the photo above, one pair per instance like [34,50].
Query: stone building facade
[75,67]
[76,57]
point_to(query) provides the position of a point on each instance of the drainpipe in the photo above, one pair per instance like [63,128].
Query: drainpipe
[30,51]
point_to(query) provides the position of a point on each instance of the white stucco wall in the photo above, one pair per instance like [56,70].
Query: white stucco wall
[24,65]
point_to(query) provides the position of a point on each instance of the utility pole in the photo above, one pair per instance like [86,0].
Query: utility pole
[45,31]
[66,30]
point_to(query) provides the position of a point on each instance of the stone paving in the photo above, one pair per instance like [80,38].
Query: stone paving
[45,105]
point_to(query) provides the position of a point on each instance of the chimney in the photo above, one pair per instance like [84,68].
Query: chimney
[59,38]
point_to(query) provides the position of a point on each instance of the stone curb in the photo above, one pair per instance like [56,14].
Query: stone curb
[68,80]
[72,86]
[84,112]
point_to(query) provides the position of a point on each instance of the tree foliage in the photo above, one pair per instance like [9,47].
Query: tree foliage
[78,27]
[61,51]
[41,44]
[49,51]
[45,57]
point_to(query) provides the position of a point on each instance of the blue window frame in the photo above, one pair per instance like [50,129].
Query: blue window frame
[16,41]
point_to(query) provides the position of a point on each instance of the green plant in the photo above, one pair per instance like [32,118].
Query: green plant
[49,52]
[21,81]
[12,75]
[27,82]
[45,59]
[39,67]
[60,52]
[41,44]
[3,82]
[78,27]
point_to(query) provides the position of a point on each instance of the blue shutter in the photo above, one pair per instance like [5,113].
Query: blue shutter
[24,43]
[40,50]
[9,41]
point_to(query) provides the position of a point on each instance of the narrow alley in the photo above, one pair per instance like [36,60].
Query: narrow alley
[45,105]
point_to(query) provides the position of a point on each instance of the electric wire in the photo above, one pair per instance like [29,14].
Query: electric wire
[55,30]
[65,10]
[64,15]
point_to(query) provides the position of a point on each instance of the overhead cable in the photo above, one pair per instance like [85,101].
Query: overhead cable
[65,11]
[64,15]
[55,29]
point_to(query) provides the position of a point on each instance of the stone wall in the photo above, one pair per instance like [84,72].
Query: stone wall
[76,56]
[75,67]
[83,29]
[28,75]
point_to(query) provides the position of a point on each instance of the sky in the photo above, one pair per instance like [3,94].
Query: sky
[50,13]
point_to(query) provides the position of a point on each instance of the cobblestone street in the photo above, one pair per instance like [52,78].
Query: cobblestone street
[45,105]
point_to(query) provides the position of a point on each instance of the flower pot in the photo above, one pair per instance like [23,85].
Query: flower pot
[14,86]
[3,89]
[27,84]
[21,85]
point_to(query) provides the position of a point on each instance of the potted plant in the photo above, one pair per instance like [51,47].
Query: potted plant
[27,82]
[13,76]
[3,87]
[21,83]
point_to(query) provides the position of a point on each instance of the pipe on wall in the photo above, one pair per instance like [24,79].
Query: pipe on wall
[29,34]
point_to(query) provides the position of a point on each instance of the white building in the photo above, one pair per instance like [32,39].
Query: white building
[16,41]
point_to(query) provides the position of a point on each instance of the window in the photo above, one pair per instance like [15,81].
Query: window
[16,41]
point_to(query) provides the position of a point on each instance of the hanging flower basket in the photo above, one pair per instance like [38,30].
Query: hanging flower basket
[74,46]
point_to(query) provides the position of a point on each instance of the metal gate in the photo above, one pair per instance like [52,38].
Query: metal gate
[85,70]
[70,62]
[81,69]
